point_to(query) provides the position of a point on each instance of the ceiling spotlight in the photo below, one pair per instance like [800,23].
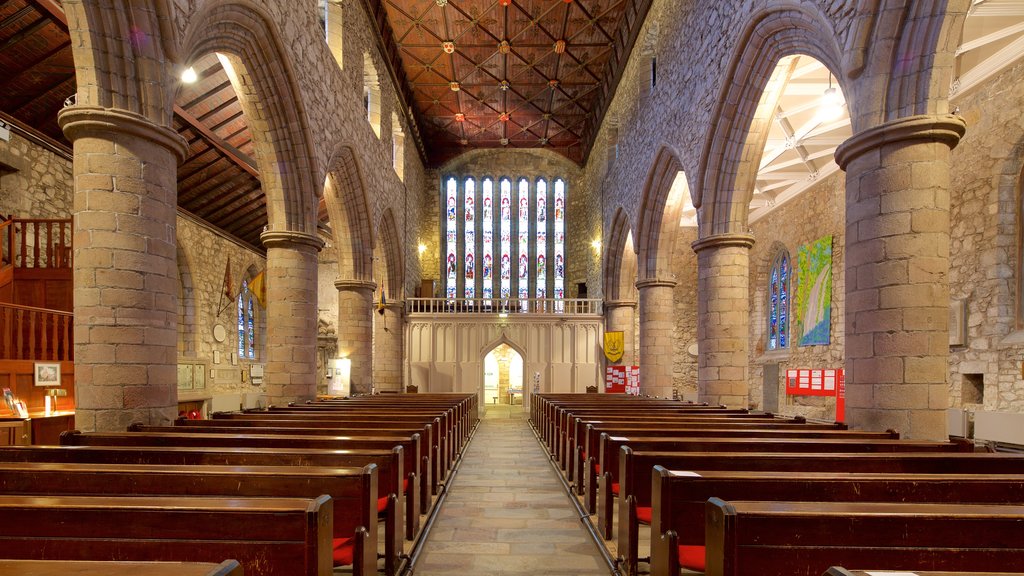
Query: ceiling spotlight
[832,104]
[189,76]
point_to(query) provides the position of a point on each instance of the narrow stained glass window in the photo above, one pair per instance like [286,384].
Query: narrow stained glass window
[506,238]
[778,303]
[241,319]
[524,243]
[246,324]
[487,225]
[470,237]
[559,243]
[452,238]
[542,239]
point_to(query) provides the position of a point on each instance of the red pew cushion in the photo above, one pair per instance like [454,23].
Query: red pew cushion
[643,514]
[615,488]
[382,504]
[692,557]
[344,550]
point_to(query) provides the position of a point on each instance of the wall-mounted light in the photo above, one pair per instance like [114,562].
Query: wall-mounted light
[422,248]
[189,76]
[596,245]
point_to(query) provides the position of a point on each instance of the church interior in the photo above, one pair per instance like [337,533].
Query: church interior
[512,286]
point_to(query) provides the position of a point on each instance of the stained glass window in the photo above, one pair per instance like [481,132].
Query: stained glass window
[559,243]
[470,237]
[487,274]
[452,239]
[524,242]
[506,239]
[778,303]
[246,324]
[537,251]
[542,239]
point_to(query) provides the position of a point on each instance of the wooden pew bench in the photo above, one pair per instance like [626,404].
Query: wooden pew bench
[610,485]
[268,536]
[100,568]
[679,498]
[424,483]
[838,571]
[353,491]
[389,467]
[407,491]
[635,471]
[805,538]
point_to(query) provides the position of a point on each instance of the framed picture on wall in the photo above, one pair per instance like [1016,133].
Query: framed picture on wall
[47,374]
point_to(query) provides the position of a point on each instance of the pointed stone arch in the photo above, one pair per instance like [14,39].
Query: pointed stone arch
[620,258]
[658,221]
[350,217]
[260,68]
[731,154]
[394,263]
[186,305]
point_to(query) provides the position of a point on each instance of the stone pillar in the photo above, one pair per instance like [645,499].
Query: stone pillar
[125,267]
[291,373]
[355,330]
[897,274]
[657,325]
[723,318]
[619,317]
[387,348]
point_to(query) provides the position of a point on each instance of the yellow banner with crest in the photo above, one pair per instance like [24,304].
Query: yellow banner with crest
[614,345]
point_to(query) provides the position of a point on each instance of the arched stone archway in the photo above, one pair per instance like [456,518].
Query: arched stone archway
[620,285]
[389,322]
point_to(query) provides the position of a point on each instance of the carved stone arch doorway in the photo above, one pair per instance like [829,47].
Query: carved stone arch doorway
[504,380]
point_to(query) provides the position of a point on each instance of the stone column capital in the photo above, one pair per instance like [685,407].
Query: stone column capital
[356,285]
[290,239]
[609,304]
[85,121]
[655,283]
[723,240]
[946,128]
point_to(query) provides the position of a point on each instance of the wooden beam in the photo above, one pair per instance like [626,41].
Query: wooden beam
[233,154]
[52,10]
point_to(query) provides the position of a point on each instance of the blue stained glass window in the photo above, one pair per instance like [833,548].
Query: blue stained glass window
[246,324]
[542,239]
[470,237]
[487,272]
[778,303]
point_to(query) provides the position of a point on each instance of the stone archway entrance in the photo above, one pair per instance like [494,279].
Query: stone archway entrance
[503,376]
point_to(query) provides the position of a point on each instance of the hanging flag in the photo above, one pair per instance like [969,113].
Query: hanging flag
[382,303]
[226,292]
[614,345]
[258,287]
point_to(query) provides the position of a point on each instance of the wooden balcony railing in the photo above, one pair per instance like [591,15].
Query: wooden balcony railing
[37,243]
[28,333]
[568,306]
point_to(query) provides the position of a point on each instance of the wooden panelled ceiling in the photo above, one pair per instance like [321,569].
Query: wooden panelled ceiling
[508,73]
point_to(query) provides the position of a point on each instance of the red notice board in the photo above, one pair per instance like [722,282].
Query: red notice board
[622,380]
[829,382]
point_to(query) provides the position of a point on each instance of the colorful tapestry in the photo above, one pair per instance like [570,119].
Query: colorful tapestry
[813,295]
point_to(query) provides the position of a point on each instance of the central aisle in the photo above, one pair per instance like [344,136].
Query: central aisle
[506,511]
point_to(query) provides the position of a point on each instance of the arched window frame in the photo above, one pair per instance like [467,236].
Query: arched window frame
[248,323]
[777,334]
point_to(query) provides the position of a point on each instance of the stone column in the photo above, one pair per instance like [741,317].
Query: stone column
[291,372]
[388,347]
[657,325]
[355,330]
[723,318]
[125,267]
[897,274]
[619,316]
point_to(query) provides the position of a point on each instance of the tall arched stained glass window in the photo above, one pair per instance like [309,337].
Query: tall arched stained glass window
[542,239]
[778,302]
[487,273]
[524,242]
[451,244]
[246,324]
[470,239]
[559,242]
[506,238]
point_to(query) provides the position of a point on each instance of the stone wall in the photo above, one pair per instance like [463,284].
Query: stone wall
[34,181]
[817,212]
[684,364]
[985,244]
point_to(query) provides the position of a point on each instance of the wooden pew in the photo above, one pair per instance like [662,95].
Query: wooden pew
[424,458]
[440,438]
[805,538]
[612,445]
[389,465]
[100,568]
[635,469]
[838,571]
[353,491]
[678,500]
[410,448]
[268,536]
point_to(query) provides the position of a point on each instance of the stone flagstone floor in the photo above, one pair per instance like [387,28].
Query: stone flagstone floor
[506,512]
